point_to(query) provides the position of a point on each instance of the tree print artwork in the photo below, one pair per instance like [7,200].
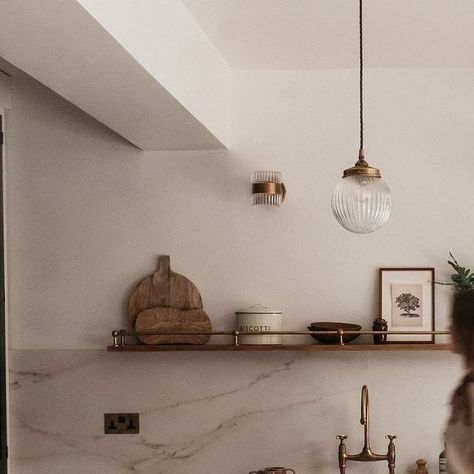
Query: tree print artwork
[408,303]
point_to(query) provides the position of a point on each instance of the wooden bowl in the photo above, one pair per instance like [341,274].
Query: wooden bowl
[334,326]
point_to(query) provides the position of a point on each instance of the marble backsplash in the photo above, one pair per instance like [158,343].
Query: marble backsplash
[230,413]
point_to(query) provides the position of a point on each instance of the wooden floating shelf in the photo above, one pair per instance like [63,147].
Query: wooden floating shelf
[281,347]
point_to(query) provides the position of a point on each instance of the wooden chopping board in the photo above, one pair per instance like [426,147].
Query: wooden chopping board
[164,288]
[173,320]
[168,302]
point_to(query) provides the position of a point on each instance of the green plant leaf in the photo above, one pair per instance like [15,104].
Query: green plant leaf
[463,277]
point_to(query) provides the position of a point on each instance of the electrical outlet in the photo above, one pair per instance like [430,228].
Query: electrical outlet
[121,423]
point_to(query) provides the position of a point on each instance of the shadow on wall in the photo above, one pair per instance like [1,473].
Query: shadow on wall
[217,172]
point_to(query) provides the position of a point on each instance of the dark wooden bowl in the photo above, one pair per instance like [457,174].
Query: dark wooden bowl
[334,326]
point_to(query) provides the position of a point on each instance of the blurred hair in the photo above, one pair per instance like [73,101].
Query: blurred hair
[463,336]
[463,323]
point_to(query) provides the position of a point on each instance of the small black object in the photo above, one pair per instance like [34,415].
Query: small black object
[380,324]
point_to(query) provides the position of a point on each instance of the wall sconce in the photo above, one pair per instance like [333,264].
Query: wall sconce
[267,188]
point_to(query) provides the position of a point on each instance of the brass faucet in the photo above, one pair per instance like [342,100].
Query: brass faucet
[366,455]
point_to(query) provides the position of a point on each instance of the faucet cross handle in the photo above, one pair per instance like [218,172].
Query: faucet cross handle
[391,454]
[341,437]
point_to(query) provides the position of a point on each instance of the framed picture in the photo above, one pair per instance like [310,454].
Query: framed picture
[407,302]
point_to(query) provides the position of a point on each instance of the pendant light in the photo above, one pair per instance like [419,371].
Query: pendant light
[361,201]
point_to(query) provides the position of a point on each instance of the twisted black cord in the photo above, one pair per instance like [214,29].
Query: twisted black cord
[361,78]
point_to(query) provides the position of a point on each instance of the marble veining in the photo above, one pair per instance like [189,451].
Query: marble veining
[226,413]
[264,376]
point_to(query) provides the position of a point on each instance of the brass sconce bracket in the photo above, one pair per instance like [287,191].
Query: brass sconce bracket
[269,188]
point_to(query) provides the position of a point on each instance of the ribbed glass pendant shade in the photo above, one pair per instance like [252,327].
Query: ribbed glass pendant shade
[361,204]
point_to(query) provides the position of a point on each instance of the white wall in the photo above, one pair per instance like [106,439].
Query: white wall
[88,214]
[5,90]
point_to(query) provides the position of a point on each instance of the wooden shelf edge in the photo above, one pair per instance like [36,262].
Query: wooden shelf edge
[282,347]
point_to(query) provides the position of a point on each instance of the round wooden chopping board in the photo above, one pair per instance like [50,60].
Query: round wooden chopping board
[161,319]
[164,288]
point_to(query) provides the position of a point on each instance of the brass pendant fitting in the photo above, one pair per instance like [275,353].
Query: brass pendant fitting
[362,168]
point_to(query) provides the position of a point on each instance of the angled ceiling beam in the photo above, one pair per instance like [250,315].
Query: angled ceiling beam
[164,37]
[63,46]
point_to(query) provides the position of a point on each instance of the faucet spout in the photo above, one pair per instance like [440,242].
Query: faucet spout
[366,455]
[364,416]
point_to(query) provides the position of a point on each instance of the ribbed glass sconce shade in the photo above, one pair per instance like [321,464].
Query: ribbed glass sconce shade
[361,204]
[267,188]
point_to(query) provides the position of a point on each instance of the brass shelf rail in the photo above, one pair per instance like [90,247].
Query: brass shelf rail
[119,341]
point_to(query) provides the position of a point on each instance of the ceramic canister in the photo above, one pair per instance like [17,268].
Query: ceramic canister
[259,318]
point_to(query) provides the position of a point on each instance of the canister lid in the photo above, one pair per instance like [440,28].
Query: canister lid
[259,309]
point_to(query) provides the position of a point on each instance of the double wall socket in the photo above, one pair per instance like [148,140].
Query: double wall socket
[121,423]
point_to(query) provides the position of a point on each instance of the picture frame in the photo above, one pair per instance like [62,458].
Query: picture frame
[407,303]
